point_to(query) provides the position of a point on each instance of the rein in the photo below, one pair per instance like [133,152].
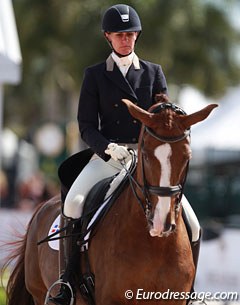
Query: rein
[146,189]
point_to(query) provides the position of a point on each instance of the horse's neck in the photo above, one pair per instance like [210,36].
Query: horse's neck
[136,231]
[133,213]
[131,207]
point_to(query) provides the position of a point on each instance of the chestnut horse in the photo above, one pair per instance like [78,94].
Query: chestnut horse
[139,251]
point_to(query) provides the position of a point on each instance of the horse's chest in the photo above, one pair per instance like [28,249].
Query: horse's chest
[147,263]
[152,261]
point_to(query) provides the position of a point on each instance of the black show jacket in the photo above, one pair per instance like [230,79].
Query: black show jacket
[102,116]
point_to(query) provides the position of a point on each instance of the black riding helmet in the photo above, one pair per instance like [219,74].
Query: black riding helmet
[121,18]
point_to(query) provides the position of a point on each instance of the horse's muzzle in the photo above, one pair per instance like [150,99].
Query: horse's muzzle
[161,231]
[165,233]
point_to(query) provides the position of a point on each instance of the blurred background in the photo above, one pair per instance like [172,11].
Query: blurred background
[45,45]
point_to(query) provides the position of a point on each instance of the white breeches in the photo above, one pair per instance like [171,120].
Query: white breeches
[97,170]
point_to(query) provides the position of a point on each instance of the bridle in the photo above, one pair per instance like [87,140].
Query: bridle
[146,189]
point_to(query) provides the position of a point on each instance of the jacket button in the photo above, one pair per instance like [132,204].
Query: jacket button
[135,121]
[118,122]
[116,105]
[134,139]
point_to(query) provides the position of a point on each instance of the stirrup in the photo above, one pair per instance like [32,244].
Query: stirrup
[59,282]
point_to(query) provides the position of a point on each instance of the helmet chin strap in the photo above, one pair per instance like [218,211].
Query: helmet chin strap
[120,55]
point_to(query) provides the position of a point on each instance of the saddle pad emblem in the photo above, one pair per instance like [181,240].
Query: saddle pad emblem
[54,244]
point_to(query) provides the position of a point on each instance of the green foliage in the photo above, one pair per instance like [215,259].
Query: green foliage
[2,296]
[192,40]
[3,283]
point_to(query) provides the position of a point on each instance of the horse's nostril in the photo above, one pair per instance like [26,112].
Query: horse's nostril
[150,219]
[167,227]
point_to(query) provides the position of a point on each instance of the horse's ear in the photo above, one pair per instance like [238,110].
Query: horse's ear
[137,112]
[198,116]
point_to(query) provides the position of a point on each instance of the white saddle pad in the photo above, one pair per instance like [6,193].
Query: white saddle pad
[54,244]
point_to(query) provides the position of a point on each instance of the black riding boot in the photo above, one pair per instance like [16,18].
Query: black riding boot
[64,295]
[195,246]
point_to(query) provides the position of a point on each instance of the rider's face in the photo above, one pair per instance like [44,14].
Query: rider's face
[123,43]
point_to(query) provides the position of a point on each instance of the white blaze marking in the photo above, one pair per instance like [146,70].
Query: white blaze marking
[163,154]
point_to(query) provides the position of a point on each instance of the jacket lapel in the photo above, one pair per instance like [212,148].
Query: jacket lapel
[115,75]
[133,77]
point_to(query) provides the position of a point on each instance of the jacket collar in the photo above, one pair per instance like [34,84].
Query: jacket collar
[110,63]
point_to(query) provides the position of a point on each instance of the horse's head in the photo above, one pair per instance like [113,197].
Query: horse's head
[163,156]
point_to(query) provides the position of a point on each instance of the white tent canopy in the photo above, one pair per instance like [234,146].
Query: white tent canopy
[221,130]
[10,54]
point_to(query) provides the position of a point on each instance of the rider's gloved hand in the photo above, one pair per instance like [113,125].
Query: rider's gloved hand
[117,152]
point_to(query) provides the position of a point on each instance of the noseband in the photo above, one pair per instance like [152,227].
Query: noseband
[169,191]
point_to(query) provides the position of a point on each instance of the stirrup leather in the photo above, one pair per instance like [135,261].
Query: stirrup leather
[61,282]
